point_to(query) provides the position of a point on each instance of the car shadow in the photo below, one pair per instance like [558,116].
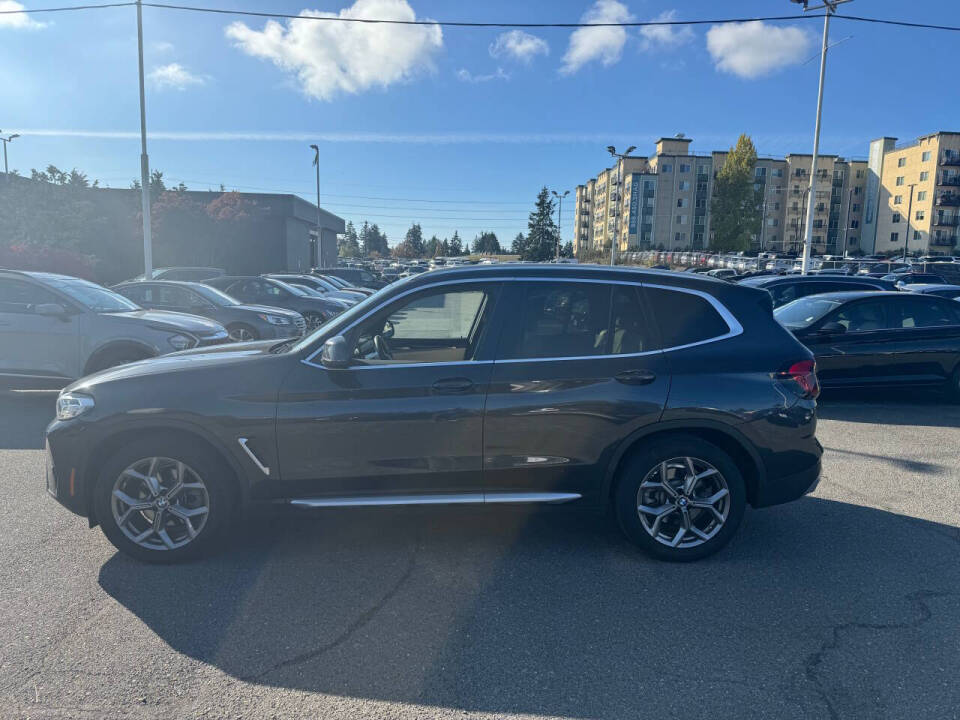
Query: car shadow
[24,415]
[552,612]
[916,406]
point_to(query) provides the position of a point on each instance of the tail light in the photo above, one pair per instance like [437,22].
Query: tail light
[804,373]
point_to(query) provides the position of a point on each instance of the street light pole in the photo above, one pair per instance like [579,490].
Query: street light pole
[559,218]
[5,140]
[616,233]
[144,160]
[830,7]
[906,240]
[316,164]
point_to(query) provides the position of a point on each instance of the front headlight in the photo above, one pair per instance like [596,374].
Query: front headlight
[70,405]
[274,319]
[180,342]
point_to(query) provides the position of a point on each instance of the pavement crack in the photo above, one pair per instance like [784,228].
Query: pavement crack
[811,665]
[362,620]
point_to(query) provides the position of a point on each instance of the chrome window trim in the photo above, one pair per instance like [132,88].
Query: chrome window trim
[733,325]
[256,461]
[474,498]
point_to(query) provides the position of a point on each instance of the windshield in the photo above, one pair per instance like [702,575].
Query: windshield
[92,296]
[217,297]
[804,312]
[287,286]
[334,280]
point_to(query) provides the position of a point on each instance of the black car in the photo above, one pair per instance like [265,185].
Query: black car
[243,322]
[191,274]
[938,289]
[276,293]
[355,276]
[879,338]
[787,288]
[324,287]
[906,278]
[673,399]
[344,285]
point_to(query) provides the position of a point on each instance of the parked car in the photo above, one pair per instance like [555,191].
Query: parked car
[722,273]
[491,384]
[879,338]
[344,285]
[938,289]
[56,328]
[193,274]
[906,278]
[243,322]
[355,276]
[787,288]
[324,287]
[255,290]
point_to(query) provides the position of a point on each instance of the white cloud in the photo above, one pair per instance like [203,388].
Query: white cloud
[654,37]
[465,75]
[329,58]
[518,45]
[597,43]
[18,21]
[753,49]
[162,46]
[174,76]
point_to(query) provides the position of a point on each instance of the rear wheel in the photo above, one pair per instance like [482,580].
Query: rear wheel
[680,498]
[164,500]
[242,333]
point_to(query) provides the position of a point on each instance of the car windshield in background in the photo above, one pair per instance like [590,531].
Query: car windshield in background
[287,286]
[93,296]
[804,312]
[217,297]
[340,322]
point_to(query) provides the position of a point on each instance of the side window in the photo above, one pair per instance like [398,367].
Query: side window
[21,297]
[862,316]
[137,293]
[684,318]
[628,331]
[918,312]
[559,320]
[172,296]
[782,294]
[263,289]
[439,325]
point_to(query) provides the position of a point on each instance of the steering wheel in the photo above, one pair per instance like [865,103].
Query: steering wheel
[382,347]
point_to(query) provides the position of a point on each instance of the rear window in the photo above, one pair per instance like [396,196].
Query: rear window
[684,318]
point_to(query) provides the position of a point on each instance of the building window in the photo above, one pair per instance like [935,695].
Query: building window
[925,156]
[896,218]
[666,167]
[852,240]
[901,162]
[920,215]
[897,199]
[680,237]
[917,235]
[684,168]
[859,173]
[818,224]
[856,190]
[894,237]
[760,172]
[681,219]
[684,185]
[854,224]
[899,180]
[773,222]
[922,195]
[855,207]
[683,202]
[776,206]
[924,176]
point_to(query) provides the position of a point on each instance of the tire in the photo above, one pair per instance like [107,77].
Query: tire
[113,358]
[218,496]
[717,472]
[240,332]
[314,320]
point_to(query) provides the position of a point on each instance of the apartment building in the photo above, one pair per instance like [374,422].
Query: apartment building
[665,202]
[913,195]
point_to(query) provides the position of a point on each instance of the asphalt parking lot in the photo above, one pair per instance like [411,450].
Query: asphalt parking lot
[845,604]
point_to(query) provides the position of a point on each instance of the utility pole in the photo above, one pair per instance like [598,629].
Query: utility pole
[906,240]
[846,222]
[144,160]
[5,140]
[830,7]
[616,237]
[559,218]
[316,164]
[763,216]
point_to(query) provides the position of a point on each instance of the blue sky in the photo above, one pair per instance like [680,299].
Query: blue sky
[409,117]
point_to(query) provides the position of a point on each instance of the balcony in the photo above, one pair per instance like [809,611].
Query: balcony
[946,221]
[944,241]
[949,200]
[951,159]
[950,180]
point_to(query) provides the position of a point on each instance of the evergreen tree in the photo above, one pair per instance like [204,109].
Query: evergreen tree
[567,249]
[348,244]
[414,241]
[486,243]
[432,246]
[736,205]
[542,237]
[519,244]
[444,248]
[456,245]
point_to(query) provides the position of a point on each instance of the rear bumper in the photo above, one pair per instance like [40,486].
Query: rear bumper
[784,489]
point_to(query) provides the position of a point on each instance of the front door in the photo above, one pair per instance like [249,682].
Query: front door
[406,418]
[578,370]
[861,353]
[33,344]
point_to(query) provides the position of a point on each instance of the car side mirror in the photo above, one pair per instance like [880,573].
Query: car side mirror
[833,328]
[336,353]
[51,310]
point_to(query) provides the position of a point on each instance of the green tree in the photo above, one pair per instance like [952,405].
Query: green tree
[542,234]
[567,249]
[736,205]
[348,244]
[444,248]
[519,245]
[456,245]
[486,243]
[432,246]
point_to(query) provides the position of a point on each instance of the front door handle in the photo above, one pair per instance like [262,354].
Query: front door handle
[635,377]
[453,385]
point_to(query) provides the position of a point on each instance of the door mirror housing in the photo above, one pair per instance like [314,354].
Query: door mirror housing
[336,353]
[51,310]
[832,328]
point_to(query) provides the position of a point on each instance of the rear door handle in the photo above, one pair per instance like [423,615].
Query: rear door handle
[453,385]
[635,377]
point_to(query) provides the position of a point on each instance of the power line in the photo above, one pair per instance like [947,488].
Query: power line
[34,11]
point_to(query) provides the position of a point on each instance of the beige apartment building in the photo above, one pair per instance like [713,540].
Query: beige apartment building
[663,201]
[913,200]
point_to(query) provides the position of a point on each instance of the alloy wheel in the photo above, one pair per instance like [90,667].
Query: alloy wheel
[683,502]
[160,503]
[241,334]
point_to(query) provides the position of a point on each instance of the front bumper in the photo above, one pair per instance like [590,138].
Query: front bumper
[66,458]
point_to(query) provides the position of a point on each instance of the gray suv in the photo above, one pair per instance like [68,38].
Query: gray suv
[56,328]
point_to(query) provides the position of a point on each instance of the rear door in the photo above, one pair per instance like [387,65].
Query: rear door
[924,338]
[578,369]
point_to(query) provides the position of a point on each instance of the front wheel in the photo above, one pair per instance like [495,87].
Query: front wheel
[242,333]
[163,500]
[314,320]
[680,499]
